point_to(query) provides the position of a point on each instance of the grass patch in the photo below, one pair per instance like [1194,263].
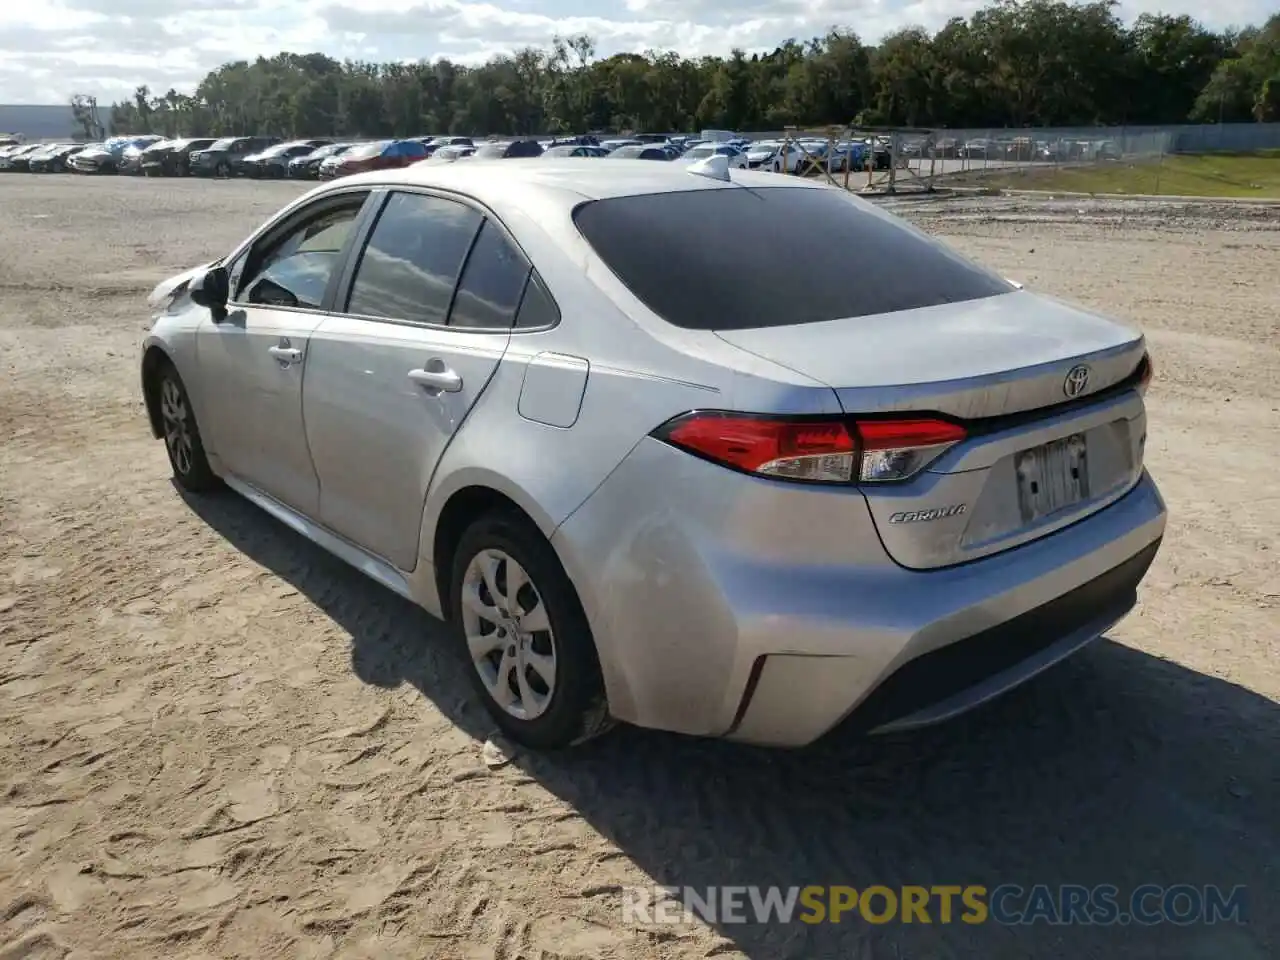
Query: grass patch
[1255,175]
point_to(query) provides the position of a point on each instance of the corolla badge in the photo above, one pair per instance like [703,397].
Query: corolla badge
[1077,381]
[936,513]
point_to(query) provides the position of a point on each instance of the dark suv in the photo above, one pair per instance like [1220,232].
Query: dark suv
[512,150]
[223,157]
[172,158]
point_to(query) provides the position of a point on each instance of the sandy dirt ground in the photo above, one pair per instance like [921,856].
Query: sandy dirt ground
[216,741]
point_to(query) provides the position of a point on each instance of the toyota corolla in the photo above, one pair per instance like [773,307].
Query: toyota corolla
[844,477]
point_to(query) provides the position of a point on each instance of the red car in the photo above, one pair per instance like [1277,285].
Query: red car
[382,155]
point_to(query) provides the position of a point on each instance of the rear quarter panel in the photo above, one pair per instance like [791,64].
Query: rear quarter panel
[633,384]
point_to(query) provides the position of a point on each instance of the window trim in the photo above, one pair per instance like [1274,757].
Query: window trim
[289,220]
[369,219]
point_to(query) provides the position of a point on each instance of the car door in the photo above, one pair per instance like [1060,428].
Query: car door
[254,360]
[392,376]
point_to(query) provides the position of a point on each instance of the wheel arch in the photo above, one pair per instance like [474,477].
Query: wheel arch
[448,515]
[450,511]
[154,359]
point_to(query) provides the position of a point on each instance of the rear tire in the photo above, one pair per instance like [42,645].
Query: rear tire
[529,647]
[182,441]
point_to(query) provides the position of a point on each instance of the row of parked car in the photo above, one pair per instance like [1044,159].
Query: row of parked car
[324,158]
[1022,149]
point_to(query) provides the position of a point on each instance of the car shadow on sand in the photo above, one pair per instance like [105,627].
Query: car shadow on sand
[1115,767]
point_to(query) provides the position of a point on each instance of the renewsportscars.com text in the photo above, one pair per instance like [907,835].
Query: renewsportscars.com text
[1007,904]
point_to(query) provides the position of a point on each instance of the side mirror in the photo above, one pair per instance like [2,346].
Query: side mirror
[211,289]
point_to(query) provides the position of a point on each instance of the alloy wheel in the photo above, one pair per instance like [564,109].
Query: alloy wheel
[177,425]
[509,634]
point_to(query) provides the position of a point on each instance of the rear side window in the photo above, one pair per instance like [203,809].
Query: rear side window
[537,309]
[798,255]
[491,285]
[411,263]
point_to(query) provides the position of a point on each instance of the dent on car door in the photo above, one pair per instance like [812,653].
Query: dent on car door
[252,363]
[391,380]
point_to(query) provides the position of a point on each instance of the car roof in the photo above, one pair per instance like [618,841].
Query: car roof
[621,178]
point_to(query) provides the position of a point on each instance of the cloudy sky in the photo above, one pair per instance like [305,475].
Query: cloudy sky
[50,49]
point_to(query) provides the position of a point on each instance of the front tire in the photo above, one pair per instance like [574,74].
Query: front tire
[182,439]
[516,613]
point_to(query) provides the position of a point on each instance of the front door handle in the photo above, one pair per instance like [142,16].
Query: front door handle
[285,354]
[445,379]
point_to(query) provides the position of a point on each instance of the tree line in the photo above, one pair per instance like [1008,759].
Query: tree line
[1015,63]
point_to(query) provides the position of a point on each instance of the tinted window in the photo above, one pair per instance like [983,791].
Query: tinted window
[537,309]
[295,270]
[411,262]
[406,148]
[817,255]
[491,285]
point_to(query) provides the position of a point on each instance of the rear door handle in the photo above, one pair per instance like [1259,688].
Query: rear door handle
[446,379]
[285,354]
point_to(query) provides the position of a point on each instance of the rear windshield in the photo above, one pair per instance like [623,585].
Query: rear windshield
[779,256]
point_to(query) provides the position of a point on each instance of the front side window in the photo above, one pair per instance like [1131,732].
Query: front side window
[294,270]
[492,283]
[411,263]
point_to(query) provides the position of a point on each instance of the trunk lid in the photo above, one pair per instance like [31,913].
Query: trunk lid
[1040,453]
[979,358]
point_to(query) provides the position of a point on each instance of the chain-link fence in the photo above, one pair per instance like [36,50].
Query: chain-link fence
[1091,159]
[901,160]
[951,152]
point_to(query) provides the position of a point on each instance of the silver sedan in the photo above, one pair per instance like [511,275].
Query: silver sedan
[727,490]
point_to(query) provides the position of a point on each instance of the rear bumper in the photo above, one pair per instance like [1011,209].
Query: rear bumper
[962,675]
[723,605]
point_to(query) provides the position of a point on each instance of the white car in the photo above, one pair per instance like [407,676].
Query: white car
[737,159]
[775,155]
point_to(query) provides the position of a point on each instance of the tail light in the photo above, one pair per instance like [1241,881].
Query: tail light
[1146,370]
[898,449]
[811,449]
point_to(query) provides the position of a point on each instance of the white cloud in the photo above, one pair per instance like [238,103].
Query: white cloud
[53,49]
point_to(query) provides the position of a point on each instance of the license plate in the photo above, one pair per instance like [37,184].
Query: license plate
[1052,477]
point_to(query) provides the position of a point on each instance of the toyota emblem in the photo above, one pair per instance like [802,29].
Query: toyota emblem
[1077,381]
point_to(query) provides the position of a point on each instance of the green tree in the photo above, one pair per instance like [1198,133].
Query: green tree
[1012,63]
